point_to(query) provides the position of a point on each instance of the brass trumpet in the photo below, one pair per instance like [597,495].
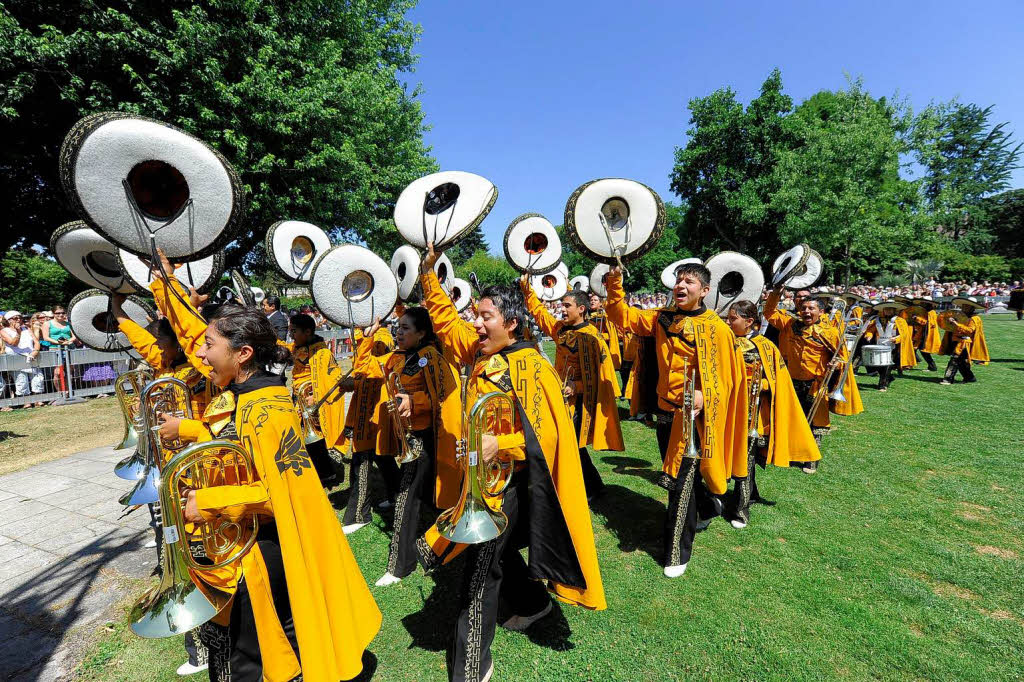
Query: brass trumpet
[129,396]
[754,397]
[410,447]
[690,417]
[471,520]
[311,431]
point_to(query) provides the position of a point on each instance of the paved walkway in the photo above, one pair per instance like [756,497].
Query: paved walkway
[64,556]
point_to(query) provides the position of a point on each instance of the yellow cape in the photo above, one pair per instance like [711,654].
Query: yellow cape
[789,434]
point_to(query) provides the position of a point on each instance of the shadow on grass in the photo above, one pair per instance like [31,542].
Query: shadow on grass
[632,466]
[634,519]
[6,435]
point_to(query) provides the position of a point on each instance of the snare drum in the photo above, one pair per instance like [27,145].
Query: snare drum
[876,355]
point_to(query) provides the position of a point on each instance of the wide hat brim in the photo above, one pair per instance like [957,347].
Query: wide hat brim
[553,285]
[597,279]
[294,246]
[669,274]
[476,197]
[580,283]
[532,244]
[963,300]
[92,323]
[734,277]
[201,275]
[183,196]
[461,293]
[603,203]
[405,264]
[353,287]
[84,253]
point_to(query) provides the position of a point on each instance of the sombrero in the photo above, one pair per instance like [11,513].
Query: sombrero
[734,277]
[597,279]
[532,244]
[444,270]
[553,285]
[405,264]
[200,275]
[671,272]
[968,301]
[903,299]
[293,246]
[352,286]
[894,306]
[93,324]
[461,293]
[614,218]
[443,207]
[798,268]
[89,257]
[580,282]
[142,183]
[852,299]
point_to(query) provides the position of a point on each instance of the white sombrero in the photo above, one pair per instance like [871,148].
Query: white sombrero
[597,279]
[140,182]
[461,293]
[967,301]
[293,246]
[244,292]
[614,217]
[405,264]
[893,306]
[91,321]
[89,257]
[798,268]
[734,277]
[352,286]
[553,285]
[200,275]
[444,270]
[532,244]
[580,282]
[443,207]
[670,274]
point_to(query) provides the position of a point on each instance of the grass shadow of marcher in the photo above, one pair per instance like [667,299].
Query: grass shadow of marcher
[7,435]
[632,466]
[635,520]
[432,626]
[552,631]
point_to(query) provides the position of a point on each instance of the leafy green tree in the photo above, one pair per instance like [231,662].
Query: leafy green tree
[303,97]
[469,245]
[725,173]
[30,282]
[489,269]
[839,188]
[965,158]
[1004,221]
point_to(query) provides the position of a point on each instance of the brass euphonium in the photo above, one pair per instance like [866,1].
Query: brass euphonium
[167,395]
[835,363]
[471,520]
[185,598]
[410,446]
[692,451]
[129,396]
[310,419]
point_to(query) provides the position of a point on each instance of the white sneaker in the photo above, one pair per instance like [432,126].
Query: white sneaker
[487,675]
[187,668]
[151,544]
[737,524]
[352,528]
[675,571]
[520,623]
[387,579]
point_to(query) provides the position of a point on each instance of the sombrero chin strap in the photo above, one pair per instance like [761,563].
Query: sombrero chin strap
[451,215]
[617,250]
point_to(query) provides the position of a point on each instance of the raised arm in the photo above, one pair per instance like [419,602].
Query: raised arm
[776,317]
[454,332]
[642,322]
[547,322]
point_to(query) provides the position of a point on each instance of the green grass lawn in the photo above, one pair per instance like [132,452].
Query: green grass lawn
[900,560]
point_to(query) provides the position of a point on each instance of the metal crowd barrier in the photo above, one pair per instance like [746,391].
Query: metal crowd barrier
[67,373]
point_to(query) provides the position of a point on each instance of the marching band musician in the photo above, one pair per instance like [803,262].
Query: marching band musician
[304,344]
[429,399]
[697,362]
[808,347]
[364,427]
[587,375]
[890,329]
[608,333]
[546,501]
[298,594]
[783,434]
[925,330]
[966,344]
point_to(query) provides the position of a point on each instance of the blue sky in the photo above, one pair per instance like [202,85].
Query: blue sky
[541,97]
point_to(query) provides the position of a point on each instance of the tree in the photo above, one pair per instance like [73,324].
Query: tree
[921,270]
[490,270]
[30,282]
[725,173]
[840,189]
[469,245]
[1004,221]
[965,158]
[303,97]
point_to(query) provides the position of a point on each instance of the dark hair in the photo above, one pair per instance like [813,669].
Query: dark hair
[306,308]
[581,299]
[697,270]
[815,301]
[274,302]
[746,310]
[162,329]
[209,310]
[249,327]
[303,322]
[421,322]
[797,293]
[509,303]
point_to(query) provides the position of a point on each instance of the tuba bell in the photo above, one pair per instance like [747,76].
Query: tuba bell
[471,520]
[128,388]
[311,431]
[410,446]
[167,395]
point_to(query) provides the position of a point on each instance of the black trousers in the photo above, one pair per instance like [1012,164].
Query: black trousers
[358,509]
[885,376]
[591,477]
[961,362]
[496,578]
[689,501]
[330,475]
[929,359]
[624,372]
[745,491]
[415,486]
[234,651]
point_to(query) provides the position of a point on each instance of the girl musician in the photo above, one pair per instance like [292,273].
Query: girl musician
[304,344]
[782,431]
[427,401]
[298,594]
